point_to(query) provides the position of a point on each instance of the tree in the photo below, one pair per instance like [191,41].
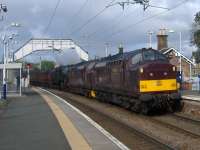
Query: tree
[47,65]
[196,36]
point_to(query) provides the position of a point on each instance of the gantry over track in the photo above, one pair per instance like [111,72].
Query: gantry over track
[34,45]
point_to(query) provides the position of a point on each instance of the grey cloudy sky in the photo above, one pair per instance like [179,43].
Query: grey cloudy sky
[34,16]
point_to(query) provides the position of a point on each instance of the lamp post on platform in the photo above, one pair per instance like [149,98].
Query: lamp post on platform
[180,50]
[3,8]
[150,33]
[5,59]
[11,47]
[4,69]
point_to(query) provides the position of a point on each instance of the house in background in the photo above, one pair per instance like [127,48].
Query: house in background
[183,65]
[196,70]
[187,65]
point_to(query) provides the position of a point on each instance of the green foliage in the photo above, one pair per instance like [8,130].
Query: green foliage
[197,18]
[196,37]
[196,55]
[36,66]
[47,65]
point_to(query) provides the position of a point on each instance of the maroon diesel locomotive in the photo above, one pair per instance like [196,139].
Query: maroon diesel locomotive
[142,80]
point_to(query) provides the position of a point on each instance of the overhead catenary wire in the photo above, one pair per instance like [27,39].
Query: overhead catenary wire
[146,19]
[76,14]
[52,17]
[91,19]
[96,31]
[119,19]
[80,9]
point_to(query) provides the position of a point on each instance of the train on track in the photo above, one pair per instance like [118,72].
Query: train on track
[142,80]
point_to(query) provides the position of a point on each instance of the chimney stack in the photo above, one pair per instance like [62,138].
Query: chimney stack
[162,39]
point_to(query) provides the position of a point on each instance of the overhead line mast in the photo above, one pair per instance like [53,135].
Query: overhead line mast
[128,27]
[144,3]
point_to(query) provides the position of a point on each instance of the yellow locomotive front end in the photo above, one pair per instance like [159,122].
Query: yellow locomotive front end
[161,85]
[157,84]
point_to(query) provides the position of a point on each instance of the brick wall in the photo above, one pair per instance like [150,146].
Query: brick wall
[174,60]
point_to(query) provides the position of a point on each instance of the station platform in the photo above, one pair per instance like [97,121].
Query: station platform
[191,95]
[40,120]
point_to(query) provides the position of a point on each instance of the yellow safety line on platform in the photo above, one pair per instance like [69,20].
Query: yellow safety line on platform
[75,139]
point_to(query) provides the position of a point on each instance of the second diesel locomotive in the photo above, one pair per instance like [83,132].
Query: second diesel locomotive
[142,80]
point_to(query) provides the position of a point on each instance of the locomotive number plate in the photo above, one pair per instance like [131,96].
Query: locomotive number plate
[158,83]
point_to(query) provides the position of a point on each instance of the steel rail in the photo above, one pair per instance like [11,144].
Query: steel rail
[175,128]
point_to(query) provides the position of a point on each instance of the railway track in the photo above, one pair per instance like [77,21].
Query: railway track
[180,123]
[145,137]
[174,132]
[191,109]
[138,139]
[187,119]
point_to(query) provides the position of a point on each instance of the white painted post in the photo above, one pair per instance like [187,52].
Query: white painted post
[28,77]
[4,63]
[190,71]
[180,36]
[4,71]
[20,89]
[150,33]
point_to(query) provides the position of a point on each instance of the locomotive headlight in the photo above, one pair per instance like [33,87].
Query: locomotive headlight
[141,70]
[174,68]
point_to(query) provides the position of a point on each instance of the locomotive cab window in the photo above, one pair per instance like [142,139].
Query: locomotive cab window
[137,58]
[149,55]
[160,57]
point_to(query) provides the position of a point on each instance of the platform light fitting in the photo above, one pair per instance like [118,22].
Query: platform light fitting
[4,8]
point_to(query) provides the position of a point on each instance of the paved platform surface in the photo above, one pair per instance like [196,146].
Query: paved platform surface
[191,95]
[96,137]
[29,124]
[41,121]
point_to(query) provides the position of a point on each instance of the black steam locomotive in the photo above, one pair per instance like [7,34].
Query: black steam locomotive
[142,80]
